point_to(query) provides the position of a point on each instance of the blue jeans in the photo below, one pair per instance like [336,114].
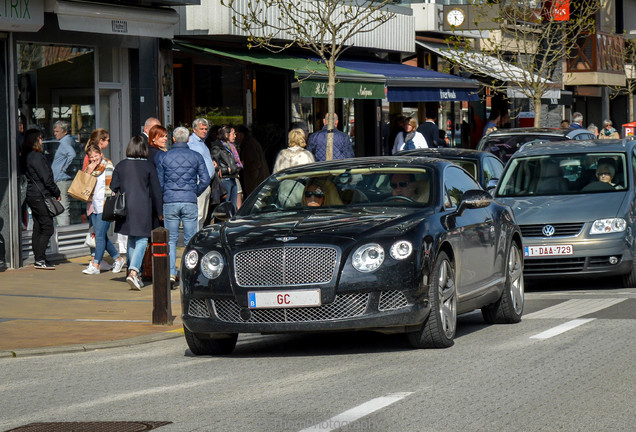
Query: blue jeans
[102,242]
[173,215]
[135,252]
[230,186]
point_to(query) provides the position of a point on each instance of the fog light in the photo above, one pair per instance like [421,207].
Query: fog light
[613,260]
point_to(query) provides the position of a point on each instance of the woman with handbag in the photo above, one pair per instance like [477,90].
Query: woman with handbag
[40,186]
[101,168]
[136,177]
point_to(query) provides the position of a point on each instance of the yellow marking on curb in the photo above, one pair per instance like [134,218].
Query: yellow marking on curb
[180,330]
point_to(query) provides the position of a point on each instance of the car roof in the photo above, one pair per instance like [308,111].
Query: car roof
[537,131]
[444,152]
[582,146]
[372,162]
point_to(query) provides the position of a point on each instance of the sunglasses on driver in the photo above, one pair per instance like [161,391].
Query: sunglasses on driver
[316,193]
[401,184]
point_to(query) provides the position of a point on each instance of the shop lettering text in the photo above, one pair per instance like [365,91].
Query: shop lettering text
[365,92]
[447,94]
[16,9]
[321,89]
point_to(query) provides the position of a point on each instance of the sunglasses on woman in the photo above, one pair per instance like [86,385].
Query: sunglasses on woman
[317,193]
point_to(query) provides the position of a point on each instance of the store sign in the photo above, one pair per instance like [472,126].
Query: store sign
[352,90]
[21,15]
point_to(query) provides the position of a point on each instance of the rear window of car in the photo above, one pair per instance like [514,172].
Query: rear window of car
[504,146]
[564,174]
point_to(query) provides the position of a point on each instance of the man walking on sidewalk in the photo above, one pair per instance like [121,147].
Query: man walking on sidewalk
[183,176]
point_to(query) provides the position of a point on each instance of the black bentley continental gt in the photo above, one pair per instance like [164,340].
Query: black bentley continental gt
[398,244]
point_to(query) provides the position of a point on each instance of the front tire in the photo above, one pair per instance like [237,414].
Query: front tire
[220,345]
[438,331]
[509,308]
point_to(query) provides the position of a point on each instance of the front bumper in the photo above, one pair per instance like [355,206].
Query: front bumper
[374,310]
[591,257]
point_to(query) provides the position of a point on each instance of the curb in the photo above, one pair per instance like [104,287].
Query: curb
[93,346]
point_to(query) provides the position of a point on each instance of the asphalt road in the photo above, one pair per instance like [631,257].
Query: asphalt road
[568,366]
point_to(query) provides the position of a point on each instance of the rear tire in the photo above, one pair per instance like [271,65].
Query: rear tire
[509,308]
[438,331]
[221,344]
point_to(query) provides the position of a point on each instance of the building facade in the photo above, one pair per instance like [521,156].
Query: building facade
[92,64]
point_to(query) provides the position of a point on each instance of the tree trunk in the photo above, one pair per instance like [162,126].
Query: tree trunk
[537,110]
[331,106]
[631,106]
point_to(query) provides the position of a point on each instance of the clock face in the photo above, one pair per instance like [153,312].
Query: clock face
[455,17]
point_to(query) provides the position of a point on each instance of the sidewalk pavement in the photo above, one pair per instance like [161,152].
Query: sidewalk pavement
[64,310]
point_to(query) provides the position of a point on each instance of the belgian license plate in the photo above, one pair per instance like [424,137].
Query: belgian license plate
[283,299]
[552,250]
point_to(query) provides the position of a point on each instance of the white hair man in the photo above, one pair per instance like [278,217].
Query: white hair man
[196,142]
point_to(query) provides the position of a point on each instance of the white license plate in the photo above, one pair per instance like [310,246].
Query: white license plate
[552,250]
[283,299]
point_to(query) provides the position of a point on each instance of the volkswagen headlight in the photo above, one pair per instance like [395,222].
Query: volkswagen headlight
[606,226]
[212,265]
[401,249]
[368,258]
[191,259]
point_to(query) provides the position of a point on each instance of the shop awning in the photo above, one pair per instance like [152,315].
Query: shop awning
[111,19]
[312,75]
[413,84]
[485,64]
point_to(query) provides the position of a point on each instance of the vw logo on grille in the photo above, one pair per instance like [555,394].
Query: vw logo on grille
[548,230]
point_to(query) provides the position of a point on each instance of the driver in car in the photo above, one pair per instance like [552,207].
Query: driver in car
[403,185]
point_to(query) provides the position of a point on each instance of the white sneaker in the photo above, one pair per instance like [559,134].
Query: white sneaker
[118,265]
[91,270]
[134,283]
[103,265]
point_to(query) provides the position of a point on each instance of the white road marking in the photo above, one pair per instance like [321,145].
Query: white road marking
[356,413]
[574,308]
[561,328]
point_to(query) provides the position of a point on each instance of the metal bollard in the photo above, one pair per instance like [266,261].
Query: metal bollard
[162,305]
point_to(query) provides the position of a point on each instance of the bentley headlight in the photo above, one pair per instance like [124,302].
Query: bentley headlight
[606,226]
[191,259]
[368,258]
[212,265]
[401,249]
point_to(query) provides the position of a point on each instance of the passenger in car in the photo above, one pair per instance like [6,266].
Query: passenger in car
[318,193]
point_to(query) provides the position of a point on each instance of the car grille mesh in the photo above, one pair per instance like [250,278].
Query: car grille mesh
[198,308]
[553,265]
[390,300]
[560,229]
[285,266]
[344,306]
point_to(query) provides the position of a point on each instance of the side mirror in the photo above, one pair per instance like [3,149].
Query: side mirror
[474,199]
[224,211]
[491,186]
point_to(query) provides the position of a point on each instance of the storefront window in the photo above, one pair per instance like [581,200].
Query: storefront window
[219,94]
[57,83]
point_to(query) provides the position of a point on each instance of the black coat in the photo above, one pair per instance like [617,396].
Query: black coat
[431,133]
[225,159]
[138,179]
[37,170]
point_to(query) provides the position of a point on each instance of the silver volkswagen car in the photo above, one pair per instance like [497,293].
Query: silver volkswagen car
[576,207]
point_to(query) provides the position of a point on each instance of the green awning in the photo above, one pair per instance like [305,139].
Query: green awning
[312,76]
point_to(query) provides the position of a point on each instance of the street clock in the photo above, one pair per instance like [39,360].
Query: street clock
[455,17]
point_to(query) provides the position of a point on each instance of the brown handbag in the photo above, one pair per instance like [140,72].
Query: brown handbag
[83,186]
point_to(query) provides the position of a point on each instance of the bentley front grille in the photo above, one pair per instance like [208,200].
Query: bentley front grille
[391,300]
[198,308]
[344,306]
[285,266]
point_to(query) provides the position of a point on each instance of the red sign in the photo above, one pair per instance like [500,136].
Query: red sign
[560,10]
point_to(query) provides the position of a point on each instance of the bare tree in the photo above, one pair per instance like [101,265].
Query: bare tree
[524,44]
[324,27]
[628,54]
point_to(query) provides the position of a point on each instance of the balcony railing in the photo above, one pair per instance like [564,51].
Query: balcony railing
[599,52]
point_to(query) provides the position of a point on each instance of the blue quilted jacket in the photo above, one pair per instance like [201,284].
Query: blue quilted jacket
[182,174]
